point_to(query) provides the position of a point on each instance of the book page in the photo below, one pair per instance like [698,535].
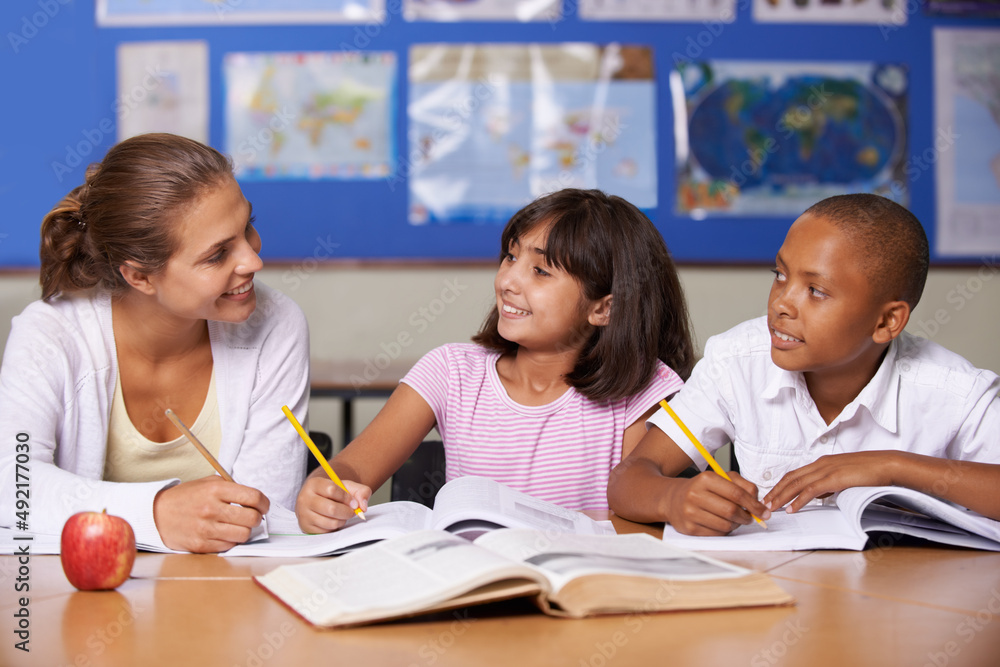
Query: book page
[472,505]
[563,557]
[888,519]
[384,521]
[812,527]
[930,518]
[389,579]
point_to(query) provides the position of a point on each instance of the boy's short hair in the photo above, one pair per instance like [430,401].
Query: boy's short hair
[891,243]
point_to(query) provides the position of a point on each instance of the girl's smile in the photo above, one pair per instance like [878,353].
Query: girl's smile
[510,311]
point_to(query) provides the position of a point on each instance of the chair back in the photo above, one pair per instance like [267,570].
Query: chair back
[422,475]
[324,443]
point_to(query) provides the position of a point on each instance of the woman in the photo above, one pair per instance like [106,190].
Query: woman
[148,303]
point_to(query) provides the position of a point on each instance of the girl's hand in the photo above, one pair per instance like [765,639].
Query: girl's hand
[322,506]
[708,504]
[830,474]
[208,515]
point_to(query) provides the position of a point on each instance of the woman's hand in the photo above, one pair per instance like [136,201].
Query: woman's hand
[208,515]
[322,506]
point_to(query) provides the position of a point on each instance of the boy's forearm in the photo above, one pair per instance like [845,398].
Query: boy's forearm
[971,485]
[637,491]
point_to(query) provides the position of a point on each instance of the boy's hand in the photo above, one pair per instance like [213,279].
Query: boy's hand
[710,505]
[322,506]
[830,474]
[208,515]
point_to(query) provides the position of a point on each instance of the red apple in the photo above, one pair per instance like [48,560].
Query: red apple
[97,550]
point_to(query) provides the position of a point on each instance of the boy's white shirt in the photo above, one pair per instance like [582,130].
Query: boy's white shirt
[923,399]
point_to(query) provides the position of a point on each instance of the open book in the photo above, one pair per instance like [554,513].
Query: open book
[467,506]
[567,575]
[846,525]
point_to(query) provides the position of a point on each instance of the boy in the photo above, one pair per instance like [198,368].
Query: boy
[826,392]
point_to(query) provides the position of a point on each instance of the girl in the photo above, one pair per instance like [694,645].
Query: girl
[589,319]
[148,302]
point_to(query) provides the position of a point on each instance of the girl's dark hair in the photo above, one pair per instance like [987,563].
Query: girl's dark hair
[124,212]
[611,248]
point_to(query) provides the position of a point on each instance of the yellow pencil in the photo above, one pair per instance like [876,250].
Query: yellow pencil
[704,452]
[319,456]
[172,416]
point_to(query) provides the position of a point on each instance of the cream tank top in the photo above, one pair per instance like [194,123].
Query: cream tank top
[131,457]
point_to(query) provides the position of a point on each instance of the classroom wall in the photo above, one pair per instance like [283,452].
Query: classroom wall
[62,73]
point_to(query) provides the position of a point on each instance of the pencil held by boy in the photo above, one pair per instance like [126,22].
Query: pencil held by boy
[825,392]
[541,400]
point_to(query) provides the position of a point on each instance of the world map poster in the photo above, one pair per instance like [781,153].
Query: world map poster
[223,12]
[772,138]
[887,14]
[493,126]
[482,10]
[318,115]
[966,149]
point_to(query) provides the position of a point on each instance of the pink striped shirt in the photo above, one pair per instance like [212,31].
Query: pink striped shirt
[561,452]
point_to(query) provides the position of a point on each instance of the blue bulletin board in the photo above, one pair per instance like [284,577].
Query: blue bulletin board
[58,68]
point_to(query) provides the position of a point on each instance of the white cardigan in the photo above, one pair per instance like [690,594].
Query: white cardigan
[57,382]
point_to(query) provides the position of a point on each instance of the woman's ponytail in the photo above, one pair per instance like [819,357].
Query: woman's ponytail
[66,263]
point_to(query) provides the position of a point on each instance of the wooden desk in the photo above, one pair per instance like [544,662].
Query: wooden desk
[892,606]
[348,380]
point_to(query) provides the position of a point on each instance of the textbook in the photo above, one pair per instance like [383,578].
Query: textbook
[846,525]
[566,575]
[467,505]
